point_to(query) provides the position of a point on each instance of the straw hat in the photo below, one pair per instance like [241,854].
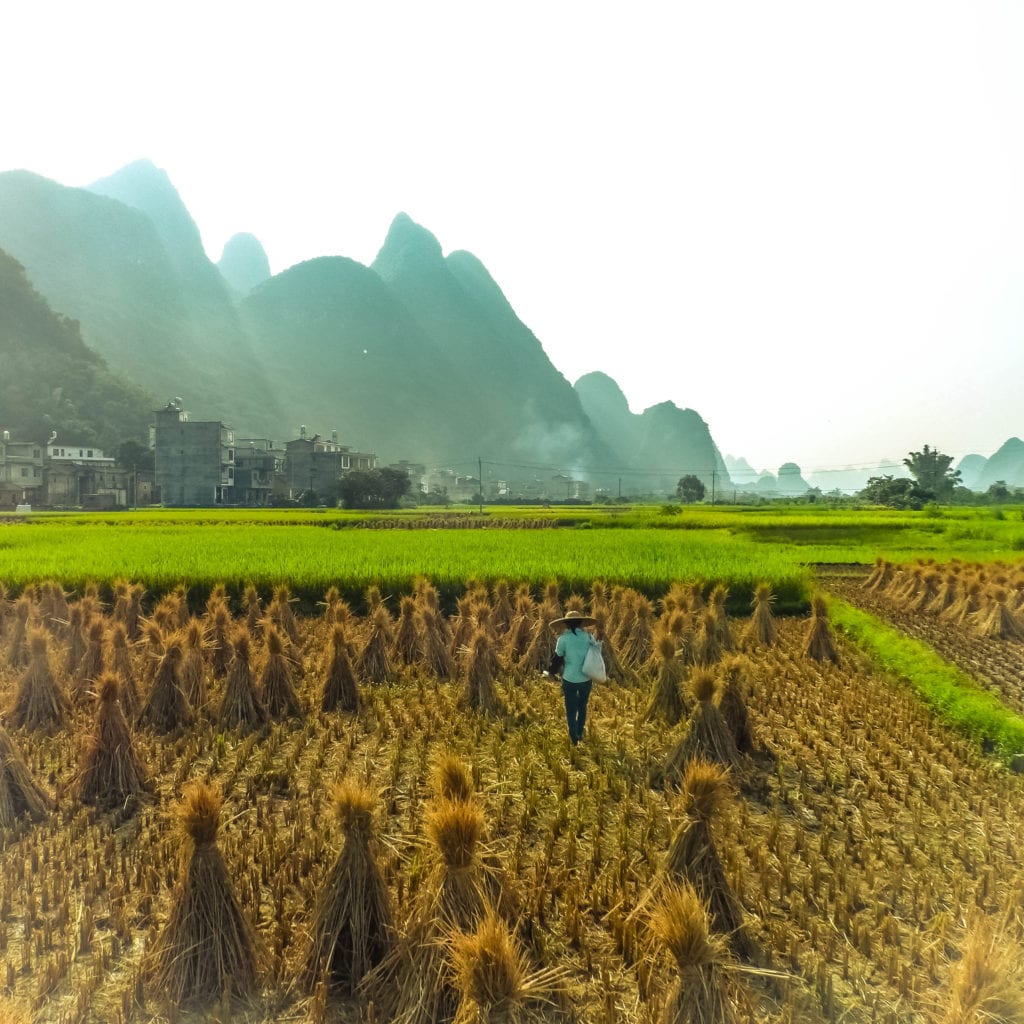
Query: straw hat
[573,619]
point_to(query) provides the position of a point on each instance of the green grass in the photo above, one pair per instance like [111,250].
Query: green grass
[642,546]
[953,694]
[163,552]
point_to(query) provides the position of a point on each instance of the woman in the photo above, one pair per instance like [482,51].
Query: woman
[573,644]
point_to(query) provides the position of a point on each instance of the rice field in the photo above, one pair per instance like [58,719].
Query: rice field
[232,812]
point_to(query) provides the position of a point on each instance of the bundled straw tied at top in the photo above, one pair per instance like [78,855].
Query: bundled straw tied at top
[353,926]
[40,703]
[20,794]
[241,706]
[112,774]
[207,948]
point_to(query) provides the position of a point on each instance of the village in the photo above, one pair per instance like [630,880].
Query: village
[205,463]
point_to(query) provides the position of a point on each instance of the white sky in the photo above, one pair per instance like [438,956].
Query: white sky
[803,220]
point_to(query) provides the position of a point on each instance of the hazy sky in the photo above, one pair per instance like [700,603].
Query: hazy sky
[803,220]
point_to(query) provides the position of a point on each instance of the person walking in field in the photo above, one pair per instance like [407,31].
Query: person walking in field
[572,645]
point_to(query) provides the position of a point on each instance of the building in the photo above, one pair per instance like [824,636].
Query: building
[315,464]
[81,475]
[194,461]
[416,472]
[260,471]
[21,471]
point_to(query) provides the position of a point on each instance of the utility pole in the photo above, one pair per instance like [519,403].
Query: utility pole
[620,488]
[480,481]
[712,488]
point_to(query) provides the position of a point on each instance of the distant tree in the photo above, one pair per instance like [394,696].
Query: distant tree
[893,492]
[373,488]
[933,473]
[998,492]
[132,455]
[690,489]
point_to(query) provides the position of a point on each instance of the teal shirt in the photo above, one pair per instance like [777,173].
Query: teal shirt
[573,646]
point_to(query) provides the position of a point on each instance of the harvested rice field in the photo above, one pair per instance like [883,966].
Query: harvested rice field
[233,813]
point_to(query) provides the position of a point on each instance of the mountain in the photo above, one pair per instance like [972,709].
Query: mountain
[147,299]
[742,472]
[1007,464]
[656,447]
[971,467]
[52,381]
[510,402]
[348,356]
[243,263]
[790,482]
[420,356]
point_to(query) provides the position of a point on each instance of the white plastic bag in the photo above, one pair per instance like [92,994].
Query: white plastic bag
[593,664]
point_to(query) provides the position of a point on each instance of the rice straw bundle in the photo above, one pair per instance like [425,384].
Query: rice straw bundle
[241,707]
[732,701]
[702,993]
[375,601]
[707,647]
[412,984]
[166,708]
[707,735]
[40,703]
[112,774]
[478,676]
[340,691]
[692,856]
[987,982]
[963,610]
[434,653]
[551,598]
[879,577]
[374,662]
[450,778]
[253,611]
[501,607]
[494,980]
[945,595]
[406,647]
[281,615]
[927,591]
[818,641]
[465,624]
[53,607]
[207,950]
[91,667]
[19,793]
[667,702]
[612,662]
[277,684]
[521,628]
[998,622]
[762,630]
[75,639]
[152,649]
[353,926]
[18,654]
[720,617]
[193,664]
[121,666]
[217,648]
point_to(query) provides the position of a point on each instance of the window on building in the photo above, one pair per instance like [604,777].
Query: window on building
[80,453]
[36,471]
[231,472]
[35,453]
[89,454]
[24,470]
[231,455]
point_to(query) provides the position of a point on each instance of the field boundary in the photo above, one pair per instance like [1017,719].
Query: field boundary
[951,692]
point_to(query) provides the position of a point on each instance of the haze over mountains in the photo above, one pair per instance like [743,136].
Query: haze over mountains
[419,356]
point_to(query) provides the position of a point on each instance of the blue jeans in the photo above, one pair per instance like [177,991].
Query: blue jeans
[576,697]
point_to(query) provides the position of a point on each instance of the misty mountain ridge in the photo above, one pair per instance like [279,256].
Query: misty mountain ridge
[418,356]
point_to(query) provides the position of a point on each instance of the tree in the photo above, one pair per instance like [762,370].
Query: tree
[895,493]
[132,455]
[931,469]
[690,488]
[373,488]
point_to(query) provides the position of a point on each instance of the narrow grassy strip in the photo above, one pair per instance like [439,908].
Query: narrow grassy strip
[955,696]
